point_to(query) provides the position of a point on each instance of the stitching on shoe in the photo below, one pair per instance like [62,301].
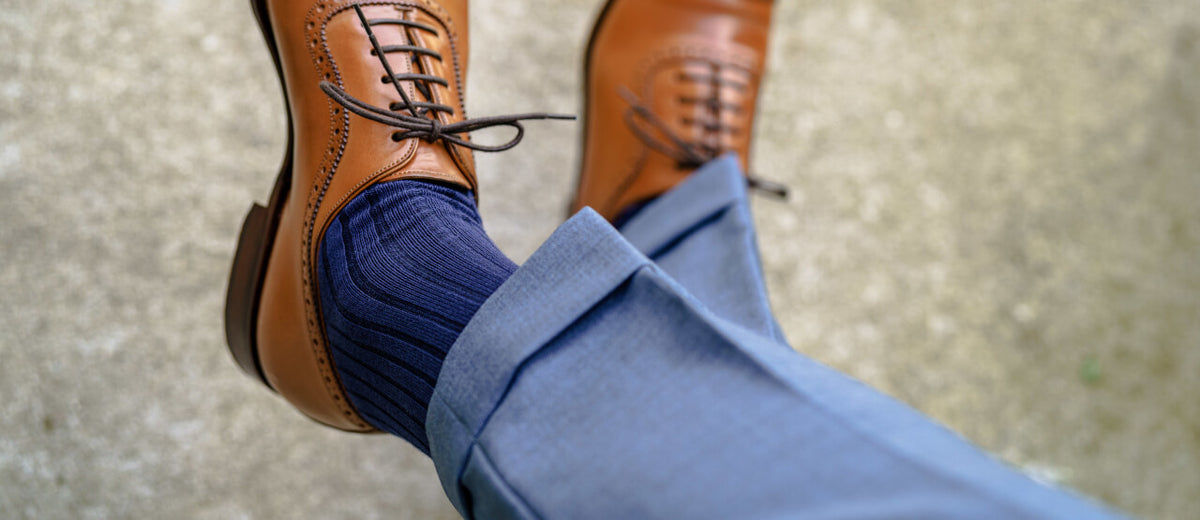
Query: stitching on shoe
[323,61]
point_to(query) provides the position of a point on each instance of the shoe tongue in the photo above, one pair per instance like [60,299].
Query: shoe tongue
[361,74]
[411,62]
[439,161]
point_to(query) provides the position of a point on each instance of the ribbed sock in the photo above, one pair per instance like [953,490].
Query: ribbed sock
[402,269]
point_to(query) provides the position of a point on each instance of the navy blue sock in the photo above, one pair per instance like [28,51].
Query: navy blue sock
[402,269]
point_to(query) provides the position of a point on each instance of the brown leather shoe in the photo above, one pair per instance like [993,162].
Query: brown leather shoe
[374,92]
[670,85]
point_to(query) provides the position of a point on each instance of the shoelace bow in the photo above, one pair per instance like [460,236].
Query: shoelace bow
[412,117]
[685,153]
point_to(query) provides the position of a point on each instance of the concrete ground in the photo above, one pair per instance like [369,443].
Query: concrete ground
[994,220]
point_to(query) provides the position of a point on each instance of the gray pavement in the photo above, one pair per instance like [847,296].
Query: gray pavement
[994,220]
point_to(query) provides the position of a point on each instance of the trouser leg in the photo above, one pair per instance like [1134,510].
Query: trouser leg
[593,385]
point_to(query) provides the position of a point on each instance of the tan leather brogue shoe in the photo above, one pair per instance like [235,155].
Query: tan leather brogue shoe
[670,85]
[374,93]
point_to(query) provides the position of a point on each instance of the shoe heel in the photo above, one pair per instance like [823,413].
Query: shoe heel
[245,284]
[254,244]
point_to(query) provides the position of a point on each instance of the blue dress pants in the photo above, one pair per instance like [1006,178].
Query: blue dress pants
[641,375]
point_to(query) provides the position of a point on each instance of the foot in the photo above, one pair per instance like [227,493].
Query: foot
[671,84]
[374,94]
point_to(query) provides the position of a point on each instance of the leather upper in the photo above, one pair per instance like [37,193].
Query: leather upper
[668,82]
[337,155]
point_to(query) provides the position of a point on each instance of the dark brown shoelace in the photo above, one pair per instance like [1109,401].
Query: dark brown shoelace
[712,128]
[418,119]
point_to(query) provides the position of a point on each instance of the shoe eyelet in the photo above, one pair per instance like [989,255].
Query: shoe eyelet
[396,136]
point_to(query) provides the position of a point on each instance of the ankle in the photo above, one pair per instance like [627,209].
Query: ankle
[403,269]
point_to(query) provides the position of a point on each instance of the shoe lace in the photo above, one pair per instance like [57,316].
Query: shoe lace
[419,119]
[711,128]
